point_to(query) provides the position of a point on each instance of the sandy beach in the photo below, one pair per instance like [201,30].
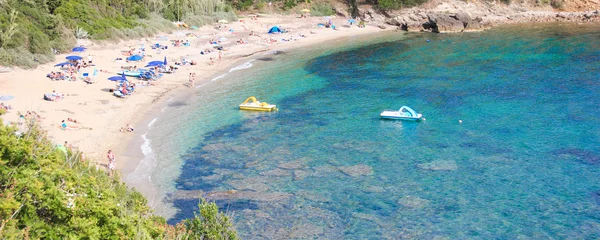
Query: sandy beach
[100,115]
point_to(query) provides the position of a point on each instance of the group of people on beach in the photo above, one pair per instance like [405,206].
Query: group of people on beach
[53,96]
[5,107]
[71,71]
[127,128]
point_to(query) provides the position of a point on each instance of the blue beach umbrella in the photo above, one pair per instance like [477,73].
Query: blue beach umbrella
[63,64]
[6,97]
[135,58]
[351,20]
[165,61]
[73,58]
[118,78]
[78,49]
[155,63]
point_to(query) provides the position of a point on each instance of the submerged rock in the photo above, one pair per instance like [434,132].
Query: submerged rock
[276,173]
[596,197]
[183,194]
[300,175]
[291,165]
[582,155]
[413,202]
[440,165]
[252,183]
[357,170]
[247,195]
[305,231]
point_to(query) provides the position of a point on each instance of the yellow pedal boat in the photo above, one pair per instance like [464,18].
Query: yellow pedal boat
[252,104]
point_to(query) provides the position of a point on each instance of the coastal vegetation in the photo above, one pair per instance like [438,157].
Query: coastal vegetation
[33,31]
[50,192]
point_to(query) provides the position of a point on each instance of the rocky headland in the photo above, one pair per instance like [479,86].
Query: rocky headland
[454,16]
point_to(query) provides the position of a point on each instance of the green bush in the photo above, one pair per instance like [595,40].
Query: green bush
[48,192]
[322,9]
[557,4]
[397,4]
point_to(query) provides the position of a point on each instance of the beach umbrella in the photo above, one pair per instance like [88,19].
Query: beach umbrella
[135,58]
[351,20]
[118,78]
[155,64]
[63,64]
[305,10]
[222,21]
[6,97]
[165,61]
[73,58]
[78,49]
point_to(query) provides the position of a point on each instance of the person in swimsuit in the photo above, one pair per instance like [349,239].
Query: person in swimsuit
[111,162]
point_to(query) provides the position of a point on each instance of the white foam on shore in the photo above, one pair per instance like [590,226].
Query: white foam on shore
[170,99]
[219,77]
[202,85]
[146,166]
[152,122]
[246,65]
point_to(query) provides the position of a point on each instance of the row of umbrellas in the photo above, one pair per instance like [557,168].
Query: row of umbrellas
[76,58]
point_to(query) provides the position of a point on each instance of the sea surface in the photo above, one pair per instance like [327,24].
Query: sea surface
[509,148]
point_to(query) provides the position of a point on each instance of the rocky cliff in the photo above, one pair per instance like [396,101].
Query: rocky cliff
[451,16]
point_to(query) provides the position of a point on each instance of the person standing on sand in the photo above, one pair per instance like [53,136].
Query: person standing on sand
[220,55]
[111,162]
[192,79]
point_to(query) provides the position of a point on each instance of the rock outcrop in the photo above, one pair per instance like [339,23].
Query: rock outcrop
[452,16]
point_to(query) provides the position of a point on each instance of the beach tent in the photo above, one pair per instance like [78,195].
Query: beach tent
[275,29]
[63,64]
[73,58]
[135,58]
[78,49]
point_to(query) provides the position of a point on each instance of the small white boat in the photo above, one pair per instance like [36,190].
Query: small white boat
[404,113]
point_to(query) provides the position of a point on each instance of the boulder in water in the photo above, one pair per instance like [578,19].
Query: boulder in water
[443,23]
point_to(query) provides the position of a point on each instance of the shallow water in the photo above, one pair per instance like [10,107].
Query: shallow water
[524,162]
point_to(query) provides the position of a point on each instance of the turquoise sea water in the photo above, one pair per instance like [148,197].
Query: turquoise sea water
[524,162]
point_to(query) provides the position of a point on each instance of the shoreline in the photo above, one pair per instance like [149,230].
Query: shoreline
[133,152]
[100,115]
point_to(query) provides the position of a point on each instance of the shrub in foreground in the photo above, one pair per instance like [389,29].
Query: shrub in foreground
[48,192]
